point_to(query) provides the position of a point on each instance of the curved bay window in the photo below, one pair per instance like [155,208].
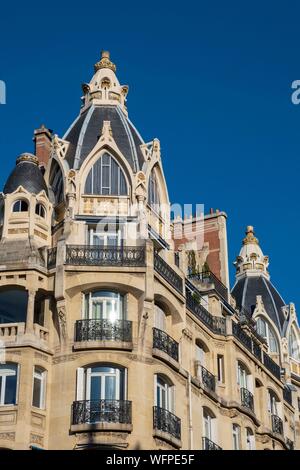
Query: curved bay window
[265,330]
[8,384]
[101,392]
[294,351]
[106,178]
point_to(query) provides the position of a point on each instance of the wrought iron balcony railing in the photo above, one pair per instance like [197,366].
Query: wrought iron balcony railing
[165,343]
[168,273]
[207,444]
[207,379]
[287,395]
[164,420]
[103,330]
[209,278]
[215,324]
[101,411]
[93,255]
[289,444]
[247,399]
[240,334]
[277,425]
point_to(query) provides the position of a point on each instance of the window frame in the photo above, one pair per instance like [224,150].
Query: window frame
[117,299]
[40,210]
[20,202]
[108,189]
[3,376]
[169,388]
[236,436]
[39,373]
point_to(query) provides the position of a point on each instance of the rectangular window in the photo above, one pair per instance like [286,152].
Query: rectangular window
[8,384]
[236,436]
[221,371]
[39,386]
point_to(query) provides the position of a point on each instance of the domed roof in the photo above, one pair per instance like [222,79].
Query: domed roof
[253,279]
[85,132]
[27,174]
[104,100]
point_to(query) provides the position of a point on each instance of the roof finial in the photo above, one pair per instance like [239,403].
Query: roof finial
[250,236]
[105,62]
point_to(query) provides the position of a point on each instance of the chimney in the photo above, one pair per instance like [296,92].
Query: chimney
[42,141]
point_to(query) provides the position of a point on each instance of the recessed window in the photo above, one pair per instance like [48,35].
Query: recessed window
[159,318]
[104,305]
[8,384]
[236,437]
[106,178]
[101,382]
[266,331]
[40,210]
[221,370]
[39,387]
[294,351]
[250,441]
[20,206]
[164,397]
[153,196]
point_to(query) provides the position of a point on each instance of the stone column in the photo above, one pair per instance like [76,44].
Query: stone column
[30,311]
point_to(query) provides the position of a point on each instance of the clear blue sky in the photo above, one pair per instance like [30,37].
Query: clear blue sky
[211,80]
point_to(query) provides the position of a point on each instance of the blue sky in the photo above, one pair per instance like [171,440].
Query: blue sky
[211,80]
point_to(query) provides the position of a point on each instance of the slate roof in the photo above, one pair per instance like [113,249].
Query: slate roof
[86,130]
[28,175]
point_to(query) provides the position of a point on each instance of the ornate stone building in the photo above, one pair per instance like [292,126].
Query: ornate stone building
[117,333]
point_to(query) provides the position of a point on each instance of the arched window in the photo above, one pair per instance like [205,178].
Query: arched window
[106,178]
[164,395]
[153,196]
[250,440]
[39,387]
[57,182]
[273,403]
[243,378]
[209,429]
[104,305]
[8,384]
[101,391]
[266,331]
[294,345]
[20,206]
[40,210]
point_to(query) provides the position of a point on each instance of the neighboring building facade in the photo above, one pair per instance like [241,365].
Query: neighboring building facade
[115,333]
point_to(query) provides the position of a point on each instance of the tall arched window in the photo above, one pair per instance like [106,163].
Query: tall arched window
[209,429]
[164,395]
[159,318]
[106,178]
[266,331]
[294,345]
[250,440]
[153,196]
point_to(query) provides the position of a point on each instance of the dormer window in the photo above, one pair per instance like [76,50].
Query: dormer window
[106,178]
[20,206]
[265,330]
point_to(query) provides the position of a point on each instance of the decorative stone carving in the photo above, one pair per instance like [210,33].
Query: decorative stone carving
[36,439]
[8,436]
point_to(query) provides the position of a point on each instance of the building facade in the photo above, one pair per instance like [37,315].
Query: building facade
[119,331]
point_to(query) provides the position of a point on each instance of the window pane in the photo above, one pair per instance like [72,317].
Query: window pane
[110,388]
[37,392]
[10,390]
[95,388]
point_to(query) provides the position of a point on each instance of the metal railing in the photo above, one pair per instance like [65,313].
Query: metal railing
[215,324]
[277,424]
[207,444]
[168,273]
[93,255]
[208,277]
[164,420]
[247,399]
[165,343]
[103,330]
[208,379]
[51,258]
[101,411]
[240,334]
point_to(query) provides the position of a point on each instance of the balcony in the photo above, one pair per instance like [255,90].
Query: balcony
[103,334]
[207,379]
[215,324]
[167,426]
[162,268]
[92,255]
[101,415]
[207,444]
[207,281]
[247,399]
[14,335]
[277,425]
[165,344]
[271,365]
[240,334]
